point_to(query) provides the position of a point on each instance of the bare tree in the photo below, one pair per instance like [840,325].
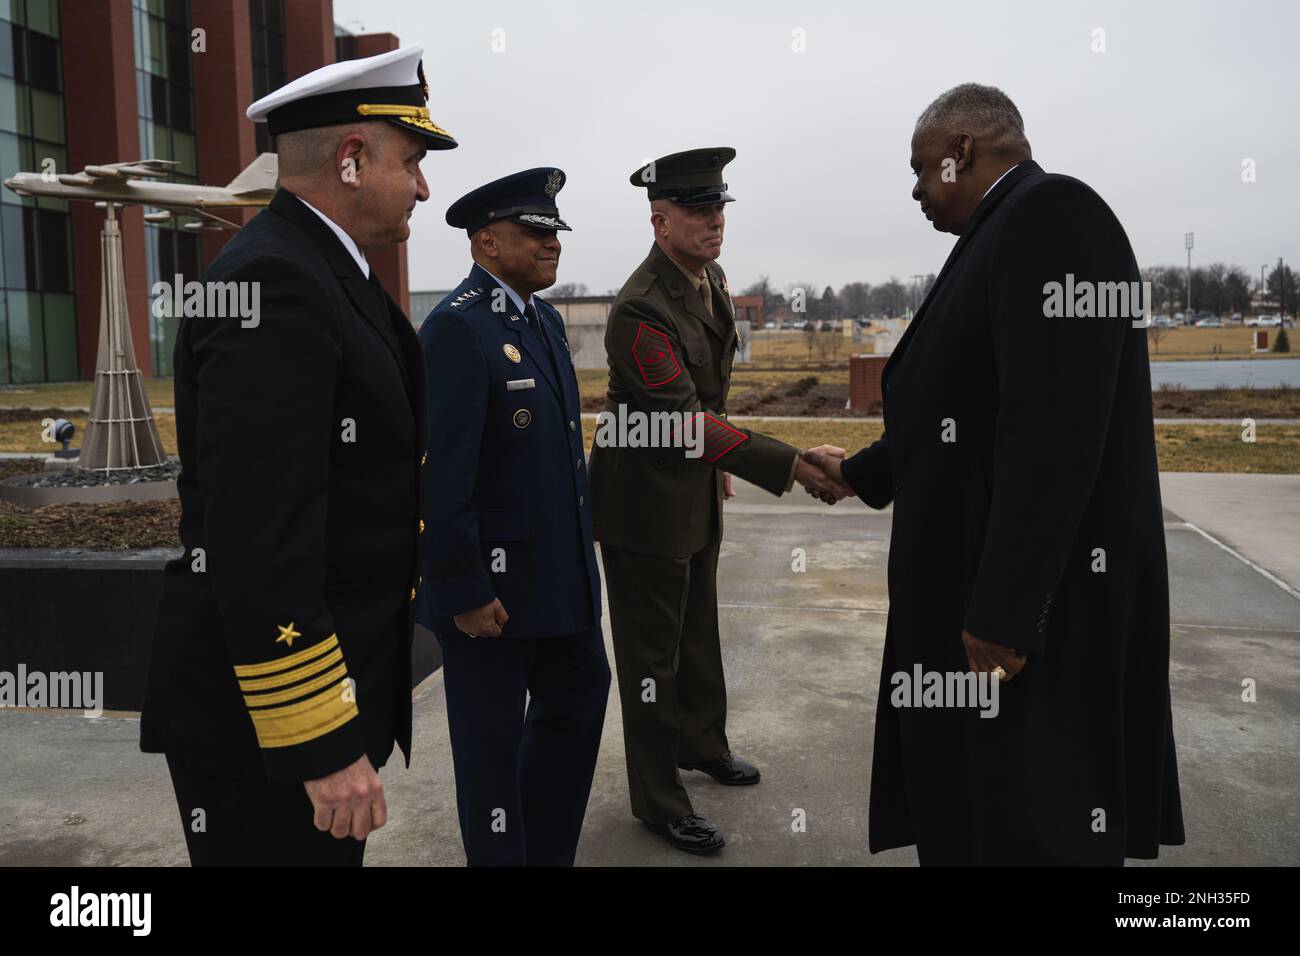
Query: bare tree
[825,344]
[1154,334]
[567,290]
[854,299]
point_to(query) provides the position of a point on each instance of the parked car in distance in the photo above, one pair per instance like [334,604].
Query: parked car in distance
[1211,323]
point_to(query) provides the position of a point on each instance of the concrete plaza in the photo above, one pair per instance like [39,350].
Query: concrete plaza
[802,653]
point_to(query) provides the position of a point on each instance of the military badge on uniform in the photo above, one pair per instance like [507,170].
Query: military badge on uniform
[523,418]
[287,634]
[512,353]
[654,356]
[553,183]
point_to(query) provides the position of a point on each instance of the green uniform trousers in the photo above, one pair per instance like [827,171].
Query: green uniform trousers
[664,617]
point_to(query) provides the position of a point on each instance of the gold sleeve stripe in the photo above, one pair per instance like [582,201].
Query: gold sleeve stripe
[284,663]
[297,674]
[305,720]
[298,690]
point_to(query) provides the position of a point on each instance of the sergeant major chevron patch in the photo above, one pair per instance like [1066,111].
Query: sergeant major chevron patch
[654,356]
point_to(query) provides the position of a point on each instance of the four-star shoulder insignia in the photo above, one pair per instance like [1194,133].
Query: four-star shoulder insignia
[287,634]
[465,296]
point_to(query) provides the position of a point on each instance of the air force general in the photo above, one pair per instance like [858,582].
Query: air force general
[510,586]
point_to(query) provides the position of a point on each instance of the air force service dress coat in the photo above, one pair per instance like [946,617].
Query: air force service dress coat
[499,529]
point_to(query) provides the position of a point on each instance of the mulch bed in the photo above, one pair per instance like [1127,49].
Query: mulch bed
[807,396]
[117,526]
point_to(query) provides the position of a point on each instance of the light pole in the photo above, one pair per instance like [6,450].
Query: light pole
[916,292]
[1281,292]
[1261,285]
[1188,241]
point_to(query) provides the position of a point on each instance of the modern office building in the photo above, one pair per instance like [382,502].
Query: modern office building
[86,82]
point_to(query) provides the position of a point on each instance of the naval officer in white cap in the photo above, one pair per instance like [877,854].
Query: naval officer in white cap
[280,673]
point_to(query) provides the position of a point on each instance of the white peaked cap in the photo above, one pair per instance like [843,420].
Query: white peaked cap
[388,86]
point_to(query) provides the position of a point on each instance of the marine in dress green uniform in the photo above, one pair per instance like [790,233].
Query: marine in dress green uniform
[671,341]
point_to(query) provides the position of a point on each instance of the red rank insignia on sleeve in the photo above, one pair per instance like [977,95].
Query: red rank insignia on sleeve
[654,356]
[719,437]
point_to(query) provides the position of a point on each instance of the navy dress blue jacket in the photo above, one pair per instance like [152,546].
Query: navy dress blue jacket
[506,502]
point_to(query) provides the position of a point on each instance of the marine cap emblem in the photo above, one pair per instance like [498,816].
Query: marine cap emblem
[553,182]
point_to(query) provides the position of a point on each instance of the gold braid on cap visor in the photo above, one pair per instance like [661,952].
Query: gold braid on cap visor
[415,115]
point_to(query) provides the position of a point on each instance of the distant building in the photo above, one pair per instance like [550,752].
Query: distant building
[585,318]
[749,308]
[422,303]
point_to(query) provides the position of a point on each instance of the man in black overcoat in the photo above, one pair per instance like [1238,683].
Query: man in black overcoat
[1027,543]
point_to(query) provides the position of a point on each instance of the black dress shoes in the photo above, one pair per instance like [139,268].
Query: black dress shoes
[728,769]
[692,834]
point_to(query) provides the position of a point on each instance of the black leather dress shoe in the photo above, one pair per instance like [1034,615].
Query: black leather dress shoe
[692,834]
[728,769]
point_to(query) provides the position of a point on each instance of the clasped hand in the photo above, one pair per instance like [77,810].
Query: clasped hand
[818,470]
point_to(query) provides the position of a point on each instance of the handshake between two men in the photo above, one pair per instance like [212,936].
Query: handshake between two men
[818,470]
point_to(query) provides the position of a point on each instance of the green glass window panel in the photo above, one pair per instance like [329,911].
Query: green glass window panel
[189,255]
[26,341]
[4,343]
[43,17]
[156,47]
[17,258]
[60,338]
[178,53]
[12,10]
[143,101]
[42,63]
[54,249]
[47,116]
[160,147]
[183,151]
[137,18]
[24,163]
[38,151]
[181,107]
[43,70]
[156,94]
[6,49]
[163,335]
[10,162]
[14,108]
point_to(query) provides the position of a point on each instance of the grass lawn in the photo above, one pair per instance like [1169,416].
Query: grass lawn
[1206,448]
[1236,342]
[76,394]
[1211,448]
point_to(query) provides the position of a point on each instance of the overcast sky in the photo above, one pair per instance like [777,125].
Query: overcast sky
[1159,123]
